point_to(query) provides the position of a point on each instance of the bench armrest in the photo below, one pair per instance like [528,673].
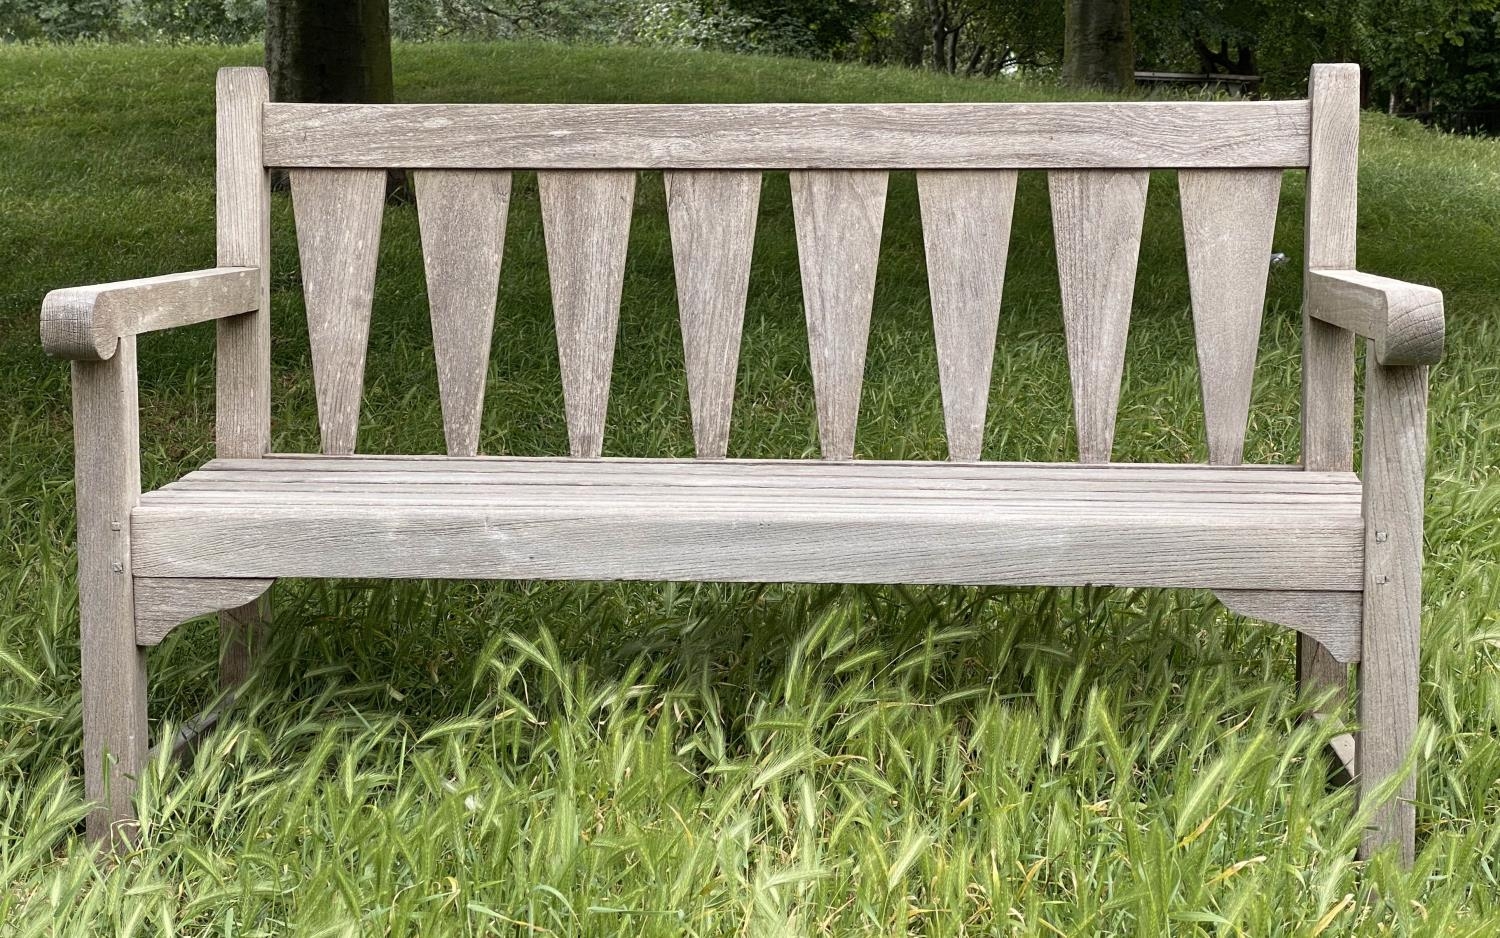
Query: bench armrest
[86,323]
[1404,320]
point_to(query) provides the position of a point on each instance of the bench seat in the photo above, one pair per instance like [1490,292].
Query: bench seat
[1250,527]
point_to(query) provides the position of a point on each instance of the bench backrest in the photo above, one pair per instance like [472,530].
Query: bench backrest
[1229,157]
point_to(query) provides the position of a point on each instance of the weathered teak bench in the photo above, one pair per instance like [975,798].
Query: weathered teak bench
[1314,547]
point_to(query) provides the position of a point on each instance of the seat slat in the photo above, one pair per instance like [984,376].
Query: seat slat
[838,217]
[712,217]
[510,490]
[338,214]
[1228,220]
[462,216]
[966,232]
[1177,474]
[586,224]
[1096,223]
[739,521]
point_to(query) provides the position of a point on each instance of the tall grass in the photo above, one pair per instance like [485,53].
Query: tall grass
[603,759]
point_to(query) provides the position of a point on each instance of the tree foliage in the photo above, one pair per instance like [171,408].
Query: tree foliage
[1421,55]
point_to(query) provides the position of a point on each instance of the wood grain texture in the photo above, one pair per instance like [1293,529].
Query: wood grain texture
[462,218]
[1403,320]
[1228,219]
[1096,224]
[107,485]
[1332,203]
[242,360]
[1319,673]
[162,604]
[966,233]
[1394,468]
[735,520]
[1161,134]
[1332,618]
[838,218]
[338,236]
[712,217]
[86,323]
[1327,350]
[586,223]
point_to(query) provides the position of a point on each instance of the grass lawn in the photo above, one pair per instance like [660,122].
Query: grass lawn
[607,759]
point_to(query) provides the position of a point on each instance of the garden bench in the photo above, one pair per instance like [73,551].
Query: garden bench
[1311,546]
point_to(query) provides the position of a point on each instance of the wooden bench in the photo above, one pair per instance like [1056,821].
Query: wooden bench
[1311,546]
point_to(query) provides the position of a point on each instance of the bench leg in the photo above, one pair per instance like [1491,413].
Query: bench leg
[1318,673]
[107,486]
[242,635]
[1394,466]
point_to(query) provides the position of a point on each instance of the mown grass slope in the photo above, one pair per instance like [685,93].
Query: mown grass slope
[553,758]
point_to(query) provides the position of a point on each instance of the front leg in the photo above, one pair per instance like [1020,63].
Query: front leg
[107,486]
[1394,469]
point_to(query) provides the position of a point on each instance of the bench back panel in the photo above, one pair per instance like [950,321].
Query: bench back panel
[1229,158]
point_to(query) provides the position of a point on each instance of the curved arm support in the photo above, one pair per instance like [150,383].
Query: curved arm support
[1404,320]
[87,323]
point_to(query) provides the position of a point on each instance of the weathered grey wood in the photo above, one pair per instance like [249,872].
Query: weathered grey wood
[242,426]
[107,485]
[162,604]
[1394,466]
[1228,219]
[838,217]
[1096,224]
[1332,191]
[1327,350]
[1318,672]
[242,366]
[1344,749]
[1332,618]
[586,223]
[1167,480]
[338,236]
[966,232]
[86,323]
[1403,320]
[789,136]
[738,520]
[462,217]
[712,217]
[418,489]
[1181,473]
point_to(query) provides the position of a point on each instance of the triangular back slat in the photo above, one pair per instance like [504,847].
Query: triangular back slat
[1096,223]
[462,218]
[586,223]
[966,231]
[338,213]
[712,217]
[1228,219]
[838,215]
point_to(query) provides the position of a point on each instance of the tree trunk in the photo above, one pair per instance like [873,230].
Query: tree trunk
[1098,47]
[332,52]
[329,51]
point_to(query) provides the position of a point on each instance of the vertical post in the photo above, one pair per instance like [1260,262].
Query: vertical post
[1394,465]
[243,359]
[107,485]
[1327,350]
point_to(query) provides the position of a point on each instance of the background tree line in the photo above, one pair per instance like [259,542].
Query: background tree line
[1419,55]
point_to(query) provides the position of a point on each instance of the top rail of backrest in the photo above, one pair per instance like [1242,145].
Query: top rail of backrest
[1097,135]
